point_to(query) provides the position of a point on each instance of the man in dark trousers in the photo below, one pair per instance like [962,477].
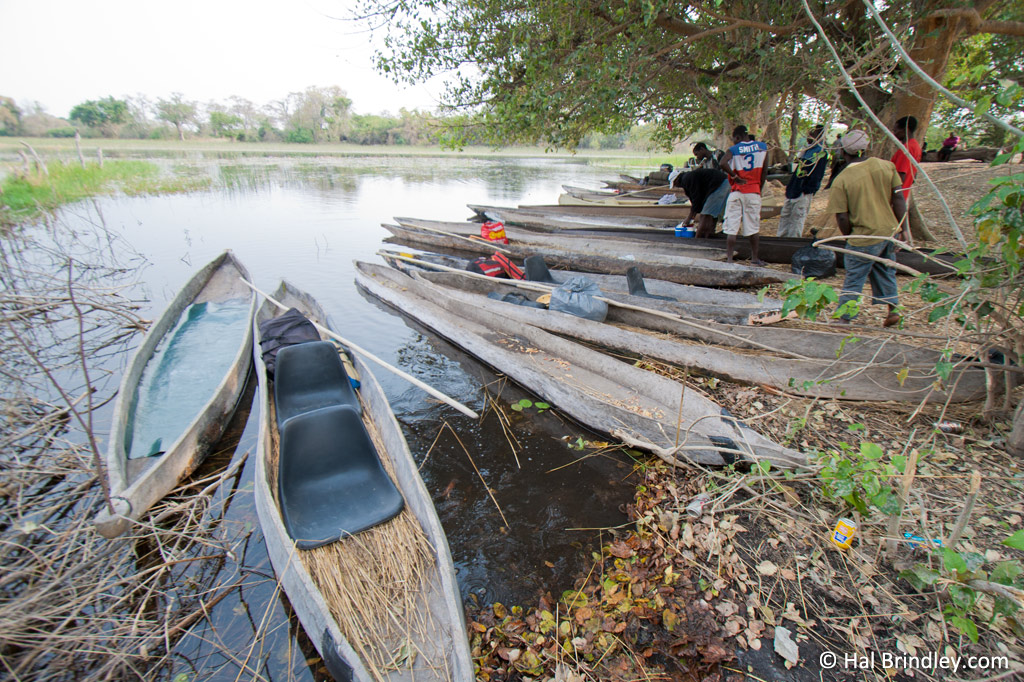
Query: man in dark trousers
[868,202]
[804,183]
[708,190]
[744,163]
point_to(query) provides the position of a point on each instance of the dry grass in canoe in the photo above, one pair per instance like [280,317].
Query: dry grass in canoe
[370,580]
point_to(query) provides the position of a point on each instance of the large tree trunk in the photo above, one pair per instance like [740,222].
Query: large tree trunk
[934,38]
[1015,441]
[918,227]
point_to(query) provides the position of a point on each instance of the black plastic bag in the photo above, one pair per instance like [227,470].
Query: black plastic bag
[811,261]
[575,296]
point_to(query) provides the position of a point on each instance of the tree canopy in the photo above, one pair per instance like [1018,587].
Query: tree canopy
[177,111]
[555,70]
[103,114]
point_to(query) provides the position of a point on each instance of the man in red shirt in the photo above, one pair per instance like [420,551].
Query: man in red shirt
[904,131]
[744,164]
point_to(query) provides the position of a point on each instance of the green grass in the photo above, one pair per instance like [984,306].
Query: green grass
[24,198]
[9,146]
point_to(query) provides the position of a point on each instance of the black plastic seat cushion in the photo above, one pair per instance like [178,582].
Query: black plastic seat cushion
[309,377]
[331,483]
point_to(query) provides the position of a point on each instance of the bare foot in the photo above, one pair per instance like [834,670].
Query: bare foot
[758,262]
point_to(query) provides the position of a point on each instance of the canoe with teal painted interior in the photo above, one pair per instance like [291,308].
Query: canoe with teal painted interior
[179,391]
[404,627]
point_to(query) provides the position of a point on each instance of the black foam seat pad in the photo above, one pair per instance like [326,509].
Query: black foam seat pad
[331,483]
[310,376]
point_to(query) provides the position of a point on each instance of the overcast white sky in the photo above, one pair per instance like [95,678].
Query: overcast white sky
[63,52]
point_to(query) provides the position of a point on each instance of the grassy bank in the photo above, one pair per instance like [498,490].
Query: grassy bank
[26,195]
[612,158]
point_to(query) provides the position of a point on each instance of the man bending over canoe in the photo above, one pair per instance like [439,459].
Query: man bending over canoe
[744,164]
[708,190]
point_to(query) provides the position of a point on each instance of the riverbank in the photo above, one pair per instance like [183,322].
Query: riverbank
[754,577]
[9,147]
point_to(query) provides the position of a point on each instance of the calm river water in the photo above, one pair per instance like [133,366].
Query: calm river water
[306,221]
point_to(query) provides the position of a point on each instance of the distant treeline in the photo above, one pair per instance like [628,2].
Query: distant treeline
[315,115]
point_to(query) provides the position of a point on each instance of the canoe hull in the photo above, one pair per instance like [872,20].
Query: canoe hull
[670,268]
[857,378]
[439,592]
[137,485]
[637,407]
[771,249]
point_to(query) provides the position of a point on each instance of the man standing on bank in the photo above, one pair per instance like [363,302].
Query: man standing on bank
[904,131]
[744,164]
[868,201]
[804,183]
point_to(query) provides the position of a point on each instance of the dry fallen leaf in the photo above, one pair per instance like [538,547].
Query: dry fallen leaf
[767,568]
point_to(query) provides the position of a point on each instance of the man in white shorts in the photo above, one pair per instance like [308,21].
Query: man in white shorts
[744,164]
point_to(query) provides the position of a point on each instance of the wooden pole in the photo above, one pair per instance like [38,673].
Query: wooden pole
[965,515]
[892,542]
[370,356]
[40,166]
[78,148]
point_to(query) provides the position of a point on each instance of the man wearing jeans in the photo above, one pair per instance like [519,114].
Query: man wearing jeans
[870,209]
[804,183]
[744,164]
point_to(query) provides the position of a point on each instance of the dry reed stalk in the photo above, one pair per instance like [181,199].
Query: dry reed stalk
[74,606]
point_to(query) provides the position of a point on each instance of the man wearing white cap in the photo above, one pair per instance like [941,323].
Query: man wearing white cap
[871,211]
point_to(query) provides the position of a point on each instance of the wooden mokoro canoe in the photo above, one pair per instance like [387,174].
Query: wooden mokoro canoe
[624,199]
[179,390]
[635,188]
[680,269]
[698,303]
[615,246]
[904,374]
[429,633]
[770,206]
[772,249]
[640,408]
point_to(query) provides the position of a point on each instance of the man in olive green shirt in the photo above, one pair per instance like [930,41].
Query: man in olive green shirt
[866,201]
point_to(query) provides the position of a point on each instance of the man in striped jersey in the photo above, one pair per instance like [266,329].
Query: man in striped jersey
[744,164]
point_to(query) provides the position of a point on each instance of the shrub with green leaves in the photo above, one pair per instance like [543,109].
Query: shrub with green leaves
[861,477]
[964,574]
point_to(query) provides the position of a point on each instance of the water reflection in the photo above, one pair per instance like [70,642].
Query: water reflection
[306,220]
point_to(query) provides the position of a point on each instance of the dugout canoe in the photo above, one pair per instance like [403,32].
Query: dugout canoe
[672,268]
[771,250]
[900,373]
[598,244]
[427,638]
[770,206]
[178,391]
[642,198]
[639,408]
[699,303]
